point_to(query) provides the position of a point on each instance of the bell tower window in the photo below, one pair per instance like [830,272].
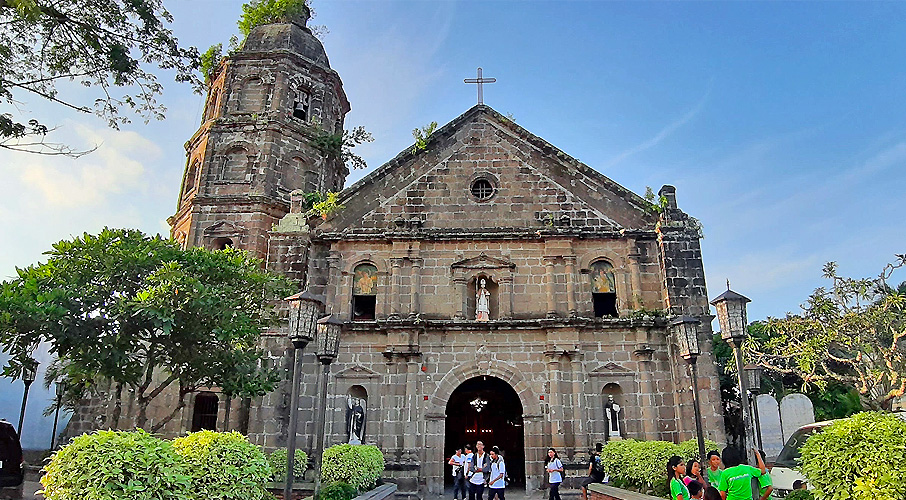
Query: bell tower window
[364,292]
[302,106]
[603,290]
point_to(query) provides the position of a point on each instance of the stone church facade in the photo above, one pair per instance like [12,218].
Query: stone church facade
[579,276]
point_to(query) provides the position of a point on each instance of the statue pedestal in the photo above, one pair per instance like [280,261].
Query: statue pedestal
[614,438]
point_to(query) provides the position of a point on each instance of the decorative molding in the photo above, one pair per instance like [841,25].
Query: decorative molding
[358,372]
[225,228]
[611,370]
[484,261]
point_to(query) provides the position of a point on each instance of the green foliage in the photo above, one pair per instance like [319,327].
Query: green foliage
[117,465]
[421,136]
[120,307]
[859,458]
[850,334]
[359,465]
[224,465]
[800,495]
[260,12]
[278,461]
[102,44]
[658,204]
[328,205]
[209,61]
[339,146]
[642,465]
[338,491]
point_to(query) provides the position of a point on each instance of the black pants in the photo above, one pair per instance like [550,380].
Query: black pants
[495,491]
[555,492]
[459,487]
[476,491]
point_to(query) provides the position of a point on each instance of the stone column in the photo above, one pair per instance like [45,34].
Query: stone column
[410,413]
[556,400]
[505,297]
[333,281]
[460,284]
[395,288]
[571,284]
[579,427]
[635,278]
[643,355]
[549,278]
[415,284]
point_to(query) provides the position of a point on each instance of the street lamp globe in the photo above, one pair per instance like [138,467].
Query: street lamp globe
[753,377]
[30,372]
[304,310]
[328,339]
[731,313]
[686,328]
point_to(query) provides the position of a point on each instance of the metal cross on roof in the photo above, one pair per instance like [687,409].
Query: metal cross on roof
[480,81]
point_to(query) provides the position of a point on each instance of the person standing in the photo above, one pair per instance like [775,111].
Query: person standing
[497,476]
[480,467]
[676,469]
[713,470]
[458,461]
[765,484]
[694,472]
[736,480]
[555,469]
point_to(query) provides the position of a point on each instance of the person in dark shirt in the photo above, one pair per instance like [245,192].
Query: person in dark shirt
[595,469]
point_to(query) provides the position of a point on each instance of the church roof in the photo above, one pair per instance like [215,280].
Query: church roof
[537,185]
[292,35]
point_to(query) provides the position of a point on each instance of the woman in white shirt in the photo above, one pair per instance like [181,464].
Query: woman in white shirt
[555,468]
[497,477]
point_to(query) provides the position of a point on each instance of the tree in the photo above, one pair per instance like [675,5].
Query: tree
[138,312]
[850,335]
[105,44]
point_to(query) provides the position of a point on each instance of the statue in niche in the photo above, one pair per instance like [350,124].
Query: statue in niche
[612,411]
[355,419]
[482,302]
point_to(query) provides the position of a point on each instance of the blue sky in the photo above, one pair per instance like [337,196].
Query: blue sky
[782,125]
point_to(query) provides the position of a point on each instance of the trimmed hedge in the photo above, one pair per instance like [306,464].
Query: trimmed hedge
[338,491]
[117,465]
[224,465]
[861,457]
[359,465]
[642,465]
[800,495]
[278,461]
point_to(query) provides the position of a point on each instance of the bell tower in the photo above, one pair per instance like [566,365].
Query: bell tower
[265,105]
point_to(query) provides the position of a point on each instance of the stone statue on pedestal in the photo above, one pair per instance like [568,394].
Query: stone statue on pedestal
[355,420]
[612,411]
[482,302]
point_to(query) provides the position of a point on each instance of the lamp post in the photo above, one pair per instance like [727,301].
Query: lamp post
[753,378]
[686,328]
[304,309]
[29,374]
[60,389]
[731,313]
[328,347]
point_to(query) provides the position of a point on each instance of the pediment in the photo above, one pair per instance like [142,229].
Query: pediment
[484,262]
[536,187]
[358,372]
[611,370]
[224,228]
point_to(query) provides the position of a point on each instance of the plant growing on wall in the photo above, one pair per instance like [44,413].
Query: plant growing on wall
[339,146]
[421,136]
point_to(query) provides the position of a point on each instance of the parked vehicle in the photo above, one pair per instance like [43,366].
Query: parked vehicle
[10,456]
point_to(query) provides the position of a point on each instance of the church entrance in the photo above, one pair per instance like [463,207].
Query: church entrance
[487,409]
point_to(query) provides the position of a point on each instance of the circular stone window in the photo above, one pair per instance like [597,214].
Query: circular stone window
[482,189]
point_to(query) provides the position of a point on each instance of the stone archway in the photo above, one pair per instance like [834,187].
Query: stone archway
[487,409]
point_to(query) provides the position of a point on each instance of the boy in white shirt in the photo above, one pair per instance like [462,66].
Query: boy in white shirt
[480,467]
[458,461]
[497,476]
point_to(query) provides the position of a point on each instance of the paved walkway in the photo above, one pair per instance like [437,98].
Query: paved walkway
[26,493]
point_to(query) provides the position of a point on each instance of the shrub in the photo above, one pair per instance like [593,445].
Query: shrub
[861,457]
[689,450]
[642,465]
[338,491]
[278,461]
[114,465]
[224,465]
[800,495]
[359,465]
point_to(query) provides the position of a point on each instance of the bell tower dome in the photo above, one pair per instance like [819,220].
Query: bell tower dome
[266,103]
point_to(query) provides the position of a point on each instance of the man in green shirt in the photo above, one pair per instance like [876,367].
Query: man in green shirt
[713,469]
[765,484]
[736,480]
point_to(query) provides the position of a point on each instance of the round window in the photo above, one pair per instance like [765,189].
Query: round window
[482,189]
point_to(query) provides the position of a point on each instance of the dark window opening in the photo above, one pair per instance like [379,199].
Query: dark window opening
[482,189]
[301,106]
[204,413]
[222,243]
[605,305]
[363,307]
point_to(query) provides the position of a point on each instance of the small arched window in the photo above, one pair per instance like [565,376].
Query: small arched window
[191,178]
[222,243]
[211,111]
[302,105]
[251,97]
[603,289]
[204,412]
[235,165]
[364,292]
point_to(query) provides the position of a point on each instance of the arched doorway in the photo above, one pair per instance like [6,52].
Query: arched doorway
[487,409]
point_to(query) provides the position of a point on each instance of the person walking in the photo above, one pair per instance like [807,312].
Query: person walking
[736,480]
[458,461]
[480,467]
[497,476]
[555,469]
[676,469]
